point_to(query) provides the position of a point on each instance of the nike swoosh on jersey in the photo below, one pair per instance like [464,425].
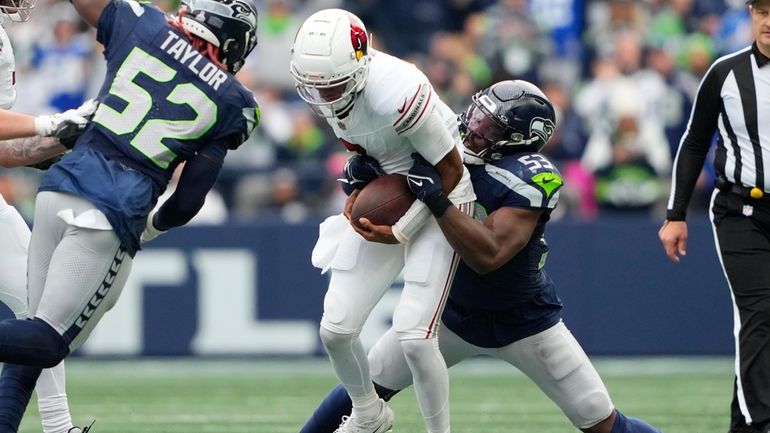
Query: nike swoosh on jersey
[403,106]
[549,182]
[415,182]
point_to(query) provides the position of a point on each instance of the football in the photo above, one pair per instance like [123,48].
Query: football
[383,201]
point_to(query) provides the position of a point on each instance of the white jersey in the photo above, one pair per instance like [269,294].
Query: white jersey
[7,72]
[394,104]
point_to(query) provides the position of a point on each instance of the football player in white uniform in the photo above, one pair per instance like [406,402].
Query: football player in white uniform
[384,109]
[28,140]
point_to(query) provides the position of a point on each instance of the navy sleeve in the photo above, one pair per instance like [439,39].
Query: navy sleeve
[695,144]
[104,27]
[198,176]
[116,22]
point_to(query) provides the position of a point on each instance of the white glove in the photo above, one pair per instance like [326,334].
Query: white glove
[150,232]
[57,124]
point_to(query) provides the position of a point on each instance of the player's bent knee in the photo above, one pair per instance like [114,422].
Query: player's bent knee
[32,342]
[416,349]
[54,347]
[591,409]
[332,339]
[406,319]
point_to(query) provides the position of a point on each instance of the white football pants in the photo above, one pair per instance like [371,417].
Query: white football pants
[553,359]
[361,274]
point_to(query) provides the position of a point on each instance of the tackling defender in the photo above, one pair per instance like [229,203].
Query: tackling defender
[385,108]
[502,303]
[25,144]
[168,96]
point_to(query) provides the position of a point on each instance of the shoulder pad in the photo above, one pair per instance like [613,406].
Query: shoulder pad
[399,91]
[530,175]
[251,116]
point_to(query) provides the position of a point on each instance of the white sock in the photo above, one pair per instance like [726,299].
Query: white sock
[52,400]
[367,408]
[431,382]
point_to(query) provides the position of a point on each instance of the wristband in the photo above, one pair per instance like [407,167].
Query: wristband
[44,125]
[438,204]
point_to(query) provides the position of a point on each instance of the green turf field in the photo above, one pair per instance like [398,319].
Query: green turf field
[184,396]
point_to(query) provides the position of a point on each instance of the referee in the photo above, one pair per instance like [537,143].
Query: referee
[734,101]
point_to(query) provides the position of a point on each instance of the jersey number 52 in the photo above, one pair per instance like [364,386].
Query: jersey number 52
[148,139]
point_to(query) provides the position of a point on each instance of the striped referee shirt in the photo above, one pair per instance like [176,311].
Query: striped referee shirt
[733,100]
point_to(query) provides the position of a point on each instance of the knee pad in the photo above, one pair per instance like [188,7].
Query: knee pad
[332,340]
[54,347]
[416,349]
[32,342]
[592,408]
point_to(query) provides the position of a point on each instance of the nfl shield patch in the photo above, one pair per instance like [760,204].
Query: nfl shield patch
[748,210]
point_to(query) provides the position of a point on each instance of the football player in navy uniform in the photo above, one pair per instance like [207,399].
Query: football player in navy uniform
[502,303]
[169,96]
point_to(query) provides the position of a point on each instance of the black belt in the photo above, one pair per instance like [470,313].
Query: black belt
[753,193]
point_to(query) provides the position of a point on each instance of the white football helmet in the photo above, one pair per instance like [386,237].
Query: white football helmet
[17,11]
[330,61]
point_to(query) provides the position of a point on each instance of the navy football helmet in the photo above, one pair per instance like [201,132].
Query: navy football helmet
[229,25]
[507,117]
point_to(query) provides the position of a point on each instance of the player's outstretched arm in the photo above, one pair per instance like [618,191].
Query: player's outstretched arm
[29,151]
[90,10]
[30,140]
[16,125]
[486,247]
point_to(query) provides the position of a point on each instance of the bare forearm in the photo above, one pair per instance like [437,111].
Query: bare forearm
[14,125]
[477,245]
[450,169]
[30,150]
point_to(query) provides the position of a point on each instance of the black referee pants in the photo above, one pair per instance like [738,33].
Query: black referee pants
[742,227]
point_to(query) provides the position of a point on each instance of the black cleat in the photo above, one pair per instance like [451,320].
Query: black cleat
[81,430]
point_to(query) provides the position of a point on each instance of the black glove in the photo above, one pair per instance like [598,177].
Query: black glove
[425,183]
[73,122]
[358,172]
[68,134]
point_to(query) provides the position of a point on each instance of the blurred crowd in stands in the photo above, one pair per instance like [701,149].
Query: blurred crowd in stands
[622,75]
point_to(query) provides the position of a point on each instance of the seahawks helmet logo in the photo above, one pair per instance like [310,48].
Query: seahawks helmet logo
[542,128]
[240,11]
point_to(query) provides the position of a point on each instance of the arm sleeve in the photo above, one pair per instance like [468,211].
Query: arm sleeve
[694,145]
[198,176]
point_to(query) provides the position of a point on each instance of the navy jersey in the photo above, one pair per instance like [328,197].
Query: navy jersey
[518,299]
[161,103]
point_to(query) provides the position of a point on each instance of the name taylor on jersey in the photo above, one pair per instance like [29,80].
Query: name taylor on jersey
[181,50]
